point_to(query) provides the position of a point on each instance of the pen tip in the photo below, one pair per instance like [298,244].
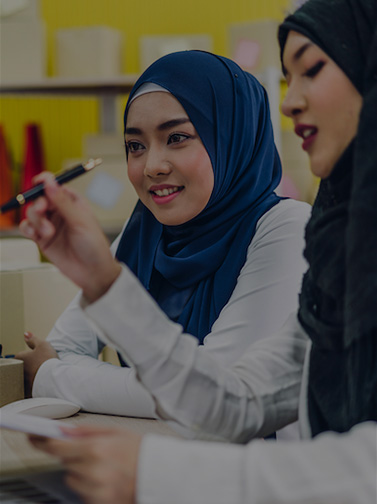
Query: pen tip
[92,163]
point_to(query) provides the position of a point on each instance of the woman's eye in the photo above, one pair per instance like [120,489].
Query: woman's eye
[134,146]
[177,138]
[312,72]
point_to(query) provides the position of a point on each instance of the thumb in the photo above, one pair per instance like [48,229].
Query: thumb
[65,201]
[31,340]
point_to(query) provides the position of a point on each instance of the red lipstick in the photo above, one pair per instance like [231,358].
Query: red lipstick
[308,133]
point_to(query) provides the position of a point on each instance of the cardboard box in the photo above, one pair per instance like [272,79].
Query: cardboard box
[31,299]
[88,52]
[22,52]
[254,45]
[20,252]
[11,381]
[154,47]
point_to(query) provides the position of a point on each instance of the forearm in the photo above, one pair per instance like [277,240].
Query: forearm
[331,468]
[235,403]
[95,386]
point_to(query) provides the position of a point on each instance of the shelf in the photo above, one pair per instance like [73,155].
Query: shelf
[65,85]
[105,89]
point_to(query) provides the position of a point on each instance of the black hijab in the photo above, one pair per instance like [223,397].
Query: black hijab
[338,301]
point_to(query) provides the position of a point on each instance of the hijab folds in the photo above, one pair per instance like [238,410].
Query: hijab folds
[338,301]
[191,269]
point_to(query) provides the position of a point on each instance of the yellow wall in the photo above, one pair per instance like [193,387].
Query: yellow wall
[150,17]
[64,119]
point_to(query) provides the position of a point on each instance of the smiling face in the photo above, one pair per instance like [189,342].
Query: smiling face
[168,164]
[322,102]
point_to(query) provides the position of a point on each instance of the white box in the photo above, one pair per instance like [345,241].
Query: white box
[22,52]
[156,46]
[18,252]
[19,10]
[31,299]
[88,52]
[254,45]
[109,191]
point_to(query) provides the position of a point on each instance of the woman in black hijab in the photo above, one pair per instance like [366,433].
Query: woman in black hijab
[338,298]
[329,55]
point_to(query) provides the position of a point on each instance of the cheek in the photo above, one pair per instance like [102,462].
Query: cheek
[203,170]
[342,108]
[135,173]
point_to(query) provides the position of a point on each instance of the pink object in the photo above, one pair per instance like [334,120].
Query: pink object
[288,188]
[247,53]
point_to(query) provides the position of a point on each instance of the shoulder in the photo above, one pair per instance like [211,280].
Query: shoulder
[287,210]
[285,221]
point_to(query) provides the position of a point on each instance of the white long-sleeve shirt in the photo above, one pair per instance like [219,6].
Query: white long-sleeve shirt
[266,292]
[256,395]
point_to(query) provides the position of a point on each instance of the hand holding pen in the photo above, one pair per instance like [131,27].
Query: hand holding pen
[68,234]
[38,190]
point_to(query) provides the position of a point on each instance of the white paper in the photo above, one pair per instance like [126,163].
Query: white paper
[32,424]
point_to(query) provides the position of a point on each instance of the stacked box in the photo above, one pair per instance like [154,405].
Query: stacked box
[22,52]
[254,45]
[31,300]
[88,52]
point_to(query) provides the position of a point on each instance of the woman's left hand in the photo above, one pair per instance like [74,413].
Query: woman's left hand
[101,463]
[40,351]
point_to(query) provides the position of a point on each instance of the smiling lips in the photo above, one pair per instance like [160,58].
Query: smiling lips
[308,133]
[164,194]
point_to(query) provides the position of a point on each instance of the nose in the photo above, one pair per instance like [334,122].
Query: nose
[294,101]
[156,164]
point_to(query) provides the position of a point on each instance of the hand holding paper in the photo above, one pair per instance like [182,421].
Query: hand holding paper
[32,425]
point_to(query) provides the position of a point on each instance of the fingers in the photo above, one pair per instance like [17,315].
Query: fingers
[31,340]
[63,199]
[43,177]
[37,226]
[68,451]
[89,430]
[27,226]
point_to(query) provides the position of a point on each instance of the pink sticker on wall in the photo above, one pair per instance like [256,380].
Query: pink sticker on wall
[247,53]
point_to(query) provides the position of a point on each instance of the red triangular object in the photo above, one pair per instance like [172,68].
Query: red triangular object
[8,219]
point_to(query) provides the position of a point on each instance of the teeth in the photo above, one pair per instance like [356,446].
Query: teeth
[308,132]
[166,192]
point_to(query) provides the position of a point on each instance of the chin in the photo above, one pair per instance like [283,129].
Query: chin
[170,222]
[320,169]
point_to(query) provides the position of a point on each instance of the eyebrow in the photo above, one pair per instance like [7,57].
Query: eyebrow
[297,55]
[161,127]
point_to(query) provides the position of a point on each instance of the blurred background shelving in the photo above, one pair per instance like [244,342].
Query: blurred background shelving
[80,114]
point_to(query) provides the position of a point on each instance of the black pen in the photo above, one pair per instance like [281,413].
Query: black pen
[38,190]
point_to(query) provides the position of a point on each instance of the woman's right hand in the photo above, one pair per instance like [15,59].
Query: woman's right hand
[63,226]
[100,462]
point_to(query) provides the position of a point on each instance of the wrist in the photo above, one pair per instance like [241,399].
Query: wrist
[101,282]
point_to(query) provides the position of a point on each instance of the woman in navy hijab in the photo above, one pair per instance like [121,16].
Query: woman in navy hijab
[209,239]
[191,268]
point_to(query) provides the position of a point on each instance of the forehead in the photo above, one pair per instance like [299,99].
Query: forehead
[156,106]
[296,46]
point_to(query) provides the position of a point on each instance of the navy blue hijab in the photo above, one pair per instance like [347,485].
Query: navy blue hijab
[191,269]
